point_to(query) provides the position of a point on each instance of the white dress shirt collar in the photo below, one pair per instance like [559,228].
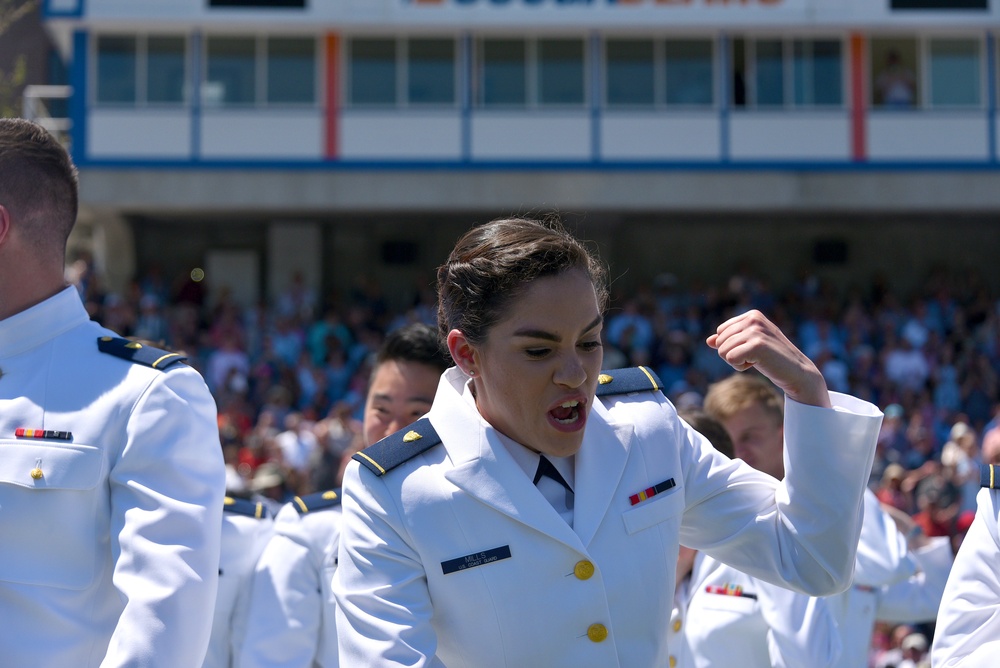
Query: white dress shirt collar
[525,458]
[42,322]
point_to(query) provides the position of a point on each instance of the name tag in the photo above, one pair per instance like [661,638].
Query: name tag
[475,559]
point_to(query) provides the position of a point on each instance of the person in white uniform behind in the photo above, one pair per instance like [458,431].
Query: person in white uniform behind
[967,632]
[112,478]
[246,528]
[890,583]
[290,621]
[450,555]
[735,619]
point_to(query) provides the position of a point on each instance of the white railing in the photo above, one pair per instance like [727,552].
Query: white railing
[35,107]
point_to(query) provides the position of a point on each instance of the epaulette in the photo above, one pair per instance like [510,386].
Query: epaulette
[318,501]
[232,504]
[397,448]
[622,381]
[989,476]
[138,352]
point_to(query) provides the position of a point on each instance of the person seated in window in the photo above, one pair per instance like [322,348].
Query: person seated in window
[896,85]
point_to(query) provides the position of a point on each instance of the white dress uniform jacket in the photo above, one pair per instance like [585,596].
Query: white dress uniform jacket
[680,651]
[455,558]
[290,619]
[737,620]
[891,584]
[246,528]
[968,622]
[110,512]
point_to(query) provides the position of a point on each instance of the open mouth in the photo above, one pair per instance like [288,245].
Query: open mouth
[567,412]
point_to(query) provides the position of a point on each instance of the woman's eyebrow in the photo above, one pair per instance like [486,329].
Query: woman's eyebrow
[528,332]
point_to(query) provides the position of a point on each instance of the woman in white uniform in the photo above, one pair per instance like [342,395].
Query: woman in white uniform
[534,516]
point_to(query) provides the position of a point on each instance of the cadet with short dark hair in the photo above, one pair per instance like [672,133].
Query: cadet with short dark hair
[290,621]
[111,478]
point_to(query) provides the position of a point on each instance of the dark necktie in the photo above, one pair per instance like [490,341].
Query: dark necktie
[554,488]
[546,468]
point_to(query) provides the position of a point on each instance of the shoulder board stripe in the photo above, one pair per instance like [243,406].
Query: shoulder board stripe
[989,476]
[141,353]
[370,463]
[244,507]
[316,501]
[623,381]
[393,450]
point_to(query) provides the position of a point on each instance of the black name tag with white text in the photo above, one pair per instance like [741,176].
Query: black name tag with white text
[475,559]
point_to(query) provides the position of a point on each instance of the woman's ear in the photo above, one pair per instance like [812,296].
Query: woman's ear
[462,352]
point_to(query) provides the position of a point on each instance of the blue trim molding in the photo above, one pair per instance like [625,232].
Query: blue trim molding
[78,99]
[195,101]
[991,95]
[725,103]
[466,60]
[49,12]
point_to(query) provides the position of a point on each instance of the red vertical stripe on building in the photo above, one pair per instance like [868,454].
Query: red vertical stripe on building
[859,105]
[332,96]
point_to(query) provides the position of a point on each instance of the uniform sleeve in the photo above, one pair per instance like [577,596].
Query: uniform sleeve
[803,531]
[801,629]
[383,605]
[968,622]
[166,487]
[883,558]
[917,598]
[284,615]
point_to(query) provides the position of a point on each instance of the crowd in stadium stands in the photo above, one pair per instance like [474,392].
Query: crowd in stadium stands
[290,376]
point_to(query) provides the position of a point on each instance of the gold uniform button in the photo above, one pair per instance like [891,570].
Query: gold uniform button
[677,625]
[36,473]
[584,570]
[597,632]
[673,661]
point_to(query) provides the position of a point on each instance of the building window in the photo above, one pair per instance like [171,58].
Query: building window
[400,72]
[688,66]
[771,73]
[373,71]
[117,70]
[430,71]
[954,72]
[544,72]
[231,77]
[503,72]
[166,62]
[630,72]
[895,75]
[291,70]
[816,73]
[560,72]
[139,70]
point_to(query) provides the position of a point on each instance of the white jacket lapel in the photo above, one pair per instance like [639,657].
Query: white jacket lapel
[599,468]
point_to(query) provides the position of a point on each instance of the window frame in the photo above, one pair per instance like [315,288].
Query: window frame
[141,72]
[660,103]
[927,81]
[401,85]
[788,44]
[260,74]
[532,93]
